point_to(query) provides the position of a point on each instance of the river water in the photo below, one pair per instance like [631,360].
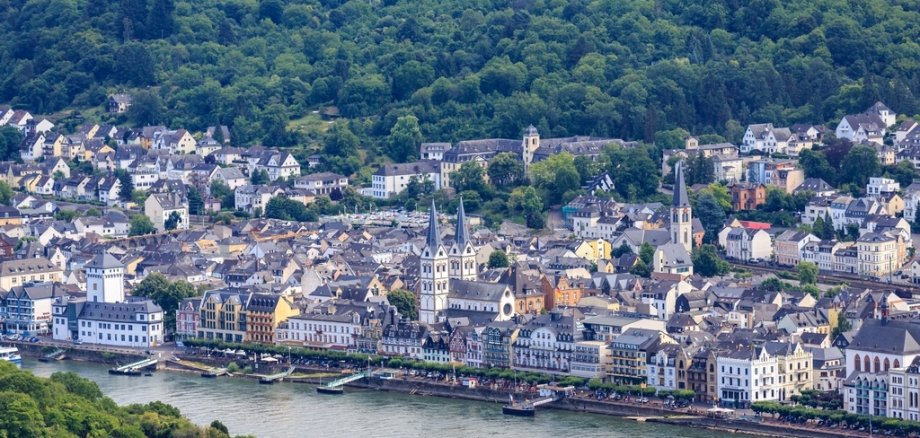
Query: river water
[296,410]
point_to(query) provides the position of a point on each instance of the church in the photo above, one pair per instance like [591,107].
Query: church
[448,278]
[673,260]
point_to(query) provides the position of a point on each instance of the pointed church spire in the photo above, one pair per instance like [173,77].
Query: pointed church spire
[463,229]
[680,188]
[434,237]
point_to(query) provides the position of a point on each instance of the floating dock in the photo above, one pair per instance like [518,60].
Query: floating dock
[133,369]
[337,386]
[268,380]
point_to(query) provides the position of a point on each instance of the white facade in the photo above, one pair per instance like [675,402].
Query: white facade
[326,331]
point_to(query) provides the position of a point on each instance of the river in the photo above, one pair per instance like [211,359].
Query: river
[296,410]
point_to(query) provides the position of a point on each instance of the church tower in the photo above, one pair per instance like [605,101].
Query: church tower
[529,146]
[433,274]
[462,254]
[681,213]
[105,279]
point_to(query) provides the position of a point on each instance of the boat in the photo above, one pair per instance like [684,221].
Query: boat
[148,374]
[10,354]
[518,409]
[334,390]
[266,381]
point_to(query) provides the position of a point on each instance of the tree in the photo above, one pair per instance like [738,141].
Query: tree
[21,415]
[161,20]
[10,139]
[506,170]
[147,108]
[807,272]
[815,165]
[647,253]
[166,294]
[706,262]
[195,203]
[711,214]
[259,177]
[621,250]
[915,225]
[843,325]
[405,303]
[405,138]
[635,175]
[641,269]
[860,164]
[220,190]
[817,228]
[471,176]
[140,225]
[173,221]
[6,193]
[700,170]
[555,176]
[498,259]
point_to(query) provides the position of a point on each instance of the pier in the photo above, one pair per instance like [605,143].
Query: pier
[133,369]
[53,356]
[215,372]
[336,386]
[268,380]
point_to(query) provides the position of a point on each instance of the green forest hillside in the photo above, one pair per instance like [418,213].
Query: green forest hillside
[465,68]
[67,405]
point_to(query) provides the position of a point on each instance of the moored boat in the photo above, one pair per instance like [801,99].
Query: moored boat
[518,409]
[10,354]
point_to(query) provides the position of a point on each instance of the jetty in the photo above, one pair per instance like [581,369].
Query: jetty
[133,369]
[214,372]
[53,356]
[337,386]
[268,380]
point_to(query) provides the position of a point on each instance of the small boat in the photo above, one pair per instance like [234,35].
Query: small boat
[266,381]
[334,390]
[518,409]
[10,354]
[148,374]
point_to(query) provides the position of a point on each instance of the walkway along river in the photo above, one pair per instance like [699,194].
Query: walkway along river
[295,410]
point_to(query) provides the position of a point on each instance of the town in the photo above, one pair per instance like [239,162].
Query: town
[749,279]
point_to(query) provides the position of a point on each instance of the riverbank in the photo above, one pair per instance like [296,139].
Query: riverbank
[424,387]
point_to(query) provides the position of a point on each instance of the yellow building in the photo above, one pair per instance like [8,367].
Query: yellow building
[594,250]
[222,316]
[878,254]
[17,272]
[263,315]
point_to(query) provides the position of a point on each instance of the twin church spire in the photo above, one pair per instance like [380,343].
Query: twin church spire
[438,265]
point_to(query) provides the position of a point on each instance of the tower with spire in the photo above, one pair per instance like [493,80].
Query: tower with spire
[681,212]
[434,276]
[462,254]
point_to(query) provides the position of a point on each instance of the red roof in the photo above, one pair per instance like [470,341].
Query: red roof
[751,225]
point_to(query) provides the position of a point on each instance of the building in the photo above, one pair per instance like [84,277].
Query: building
[188,318]
[264,313]
[119,103]
[629,355]
[462,254]
[434,274]
[748,196]
[26,309]
[164,208]
[105,277]
[748,244]
[879,186]
[391,179]
[862,127]
[35,270]
[222,315]
[323,183]
[788,246]
[878,254]
[681,212]
[546,343]
[591,360]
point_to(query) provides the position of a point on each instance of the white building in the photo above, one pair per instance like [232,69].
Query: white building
[747,244]
[161,207]
[391,179]
[323,330]
[878,186]
[105,278]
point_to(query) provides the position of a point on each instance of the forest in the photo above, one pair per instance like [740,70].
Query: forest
[447,70]
[67,405]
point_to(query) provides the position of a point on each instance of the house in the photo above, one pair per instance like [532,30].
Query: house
[163,208]
[746,196]
[27,308]
[673,258]
[231,176]
[250,197]
[884,113]
[277,164]
[755,138]
[323,183]
[878,186]
[264,313]
[119,103]
[391,179]
[745,244]
[546,343]
[816,186]
[862,127]
[19,272]
[878,254]
[629,355]
[788,246]
[188,318]
[774,371]
[222,315]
